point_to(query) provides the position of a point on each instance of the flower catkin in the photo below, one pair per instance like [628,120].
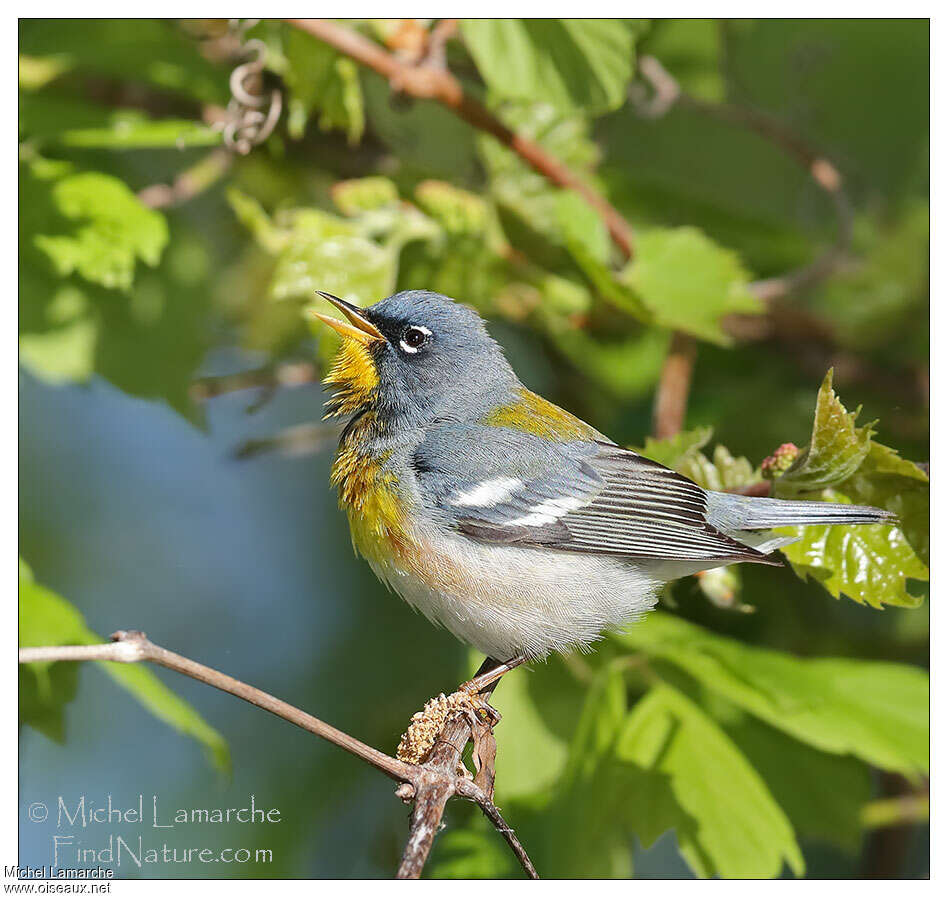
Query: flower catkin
[425,725]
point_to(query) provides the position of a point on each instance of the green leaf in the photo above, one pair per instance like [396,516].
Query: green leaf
[822,794]
[570,63]
[475,853]
[836,450]
[65,350]
[170,708]
[602,716]
[877,711]
[688,282]
[316,250]
[584,822]
[46,619]
[605,283]
[868,563]
[531,756]
[628,367]
[46,687]
[527,200]
[132,131]
[690,50]
[156,52]
[674,450]
[457,211]
[328,253]
[582,227]
[898,485]
[321,80]
[723,472]
[740,831]
[104,230]
[358,195]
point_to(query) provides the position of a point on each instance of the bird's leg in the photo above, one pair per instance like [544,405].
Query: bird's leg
[490,672]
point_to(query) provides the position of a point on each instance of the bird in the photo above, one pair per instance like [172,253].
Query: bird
[502,517]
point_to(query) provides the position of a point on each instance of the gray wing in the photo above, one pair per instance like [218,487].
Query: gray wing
[504,486]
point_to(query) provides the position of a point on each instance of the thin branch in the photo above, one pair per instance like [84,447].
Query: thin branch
[293,442]
[435,83]
[493,814]
[672,394]
[134,646]
[286,374]
[823,172]
[675,380]
[188,184]
[431,783]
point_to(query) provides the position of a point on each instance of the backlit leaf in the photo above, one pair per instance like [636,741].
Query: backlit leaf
[740,831]
[877,711]
[868,563]
[688,282]
[570,63]
[836,449]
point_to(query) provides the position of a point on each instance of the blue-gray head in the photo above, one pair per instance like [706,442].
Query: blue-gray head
[414,357]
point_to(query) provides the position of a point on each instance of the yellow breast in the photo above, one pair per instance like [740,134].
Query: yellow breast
[369,496]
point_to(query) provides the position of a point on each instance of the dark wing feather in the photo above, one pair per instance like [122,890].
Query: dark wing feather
[579,496]
[647,511]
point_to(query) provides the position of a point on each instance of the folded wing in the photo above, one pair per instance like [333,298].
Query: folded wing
[505,486]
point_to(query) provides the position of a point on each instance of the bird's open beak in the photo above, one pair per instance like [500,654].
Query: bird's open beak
[360,329]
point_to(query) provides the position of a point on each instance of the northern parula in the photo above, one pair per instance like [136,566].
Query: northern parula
[502,517]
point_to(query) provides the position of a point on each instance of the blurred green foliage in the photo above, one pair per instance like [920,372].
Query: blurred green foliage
[753,737]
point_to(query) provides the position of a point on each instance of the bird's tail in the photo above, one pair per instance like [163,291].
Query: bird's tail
[731,512]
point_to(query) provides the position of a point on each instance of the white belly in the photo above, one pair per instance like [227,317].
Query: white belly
[507,600]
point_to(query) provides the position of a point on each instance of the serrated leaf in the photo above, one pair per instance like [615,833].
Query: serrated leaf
[898,485]
[46,619]
[868,563]
[570,63]
[740,831]
[836,449]
[106,230]
[689,282]
[877,711]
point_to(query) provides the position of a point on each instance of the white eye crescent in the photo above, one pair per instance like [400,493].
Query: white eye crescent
[414,337]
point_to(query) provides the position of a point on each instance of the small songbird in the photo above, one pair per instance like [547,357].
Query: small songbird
[512,523]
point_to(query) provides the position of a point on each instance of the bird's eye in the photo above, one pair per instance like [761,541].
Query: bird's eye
[413,338]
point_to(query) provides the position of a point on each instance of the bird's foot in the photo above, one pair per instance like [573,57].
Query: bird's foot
[426,725]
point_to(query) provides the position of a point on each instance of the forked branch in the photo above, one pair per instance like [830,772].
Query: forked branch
[431,784]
